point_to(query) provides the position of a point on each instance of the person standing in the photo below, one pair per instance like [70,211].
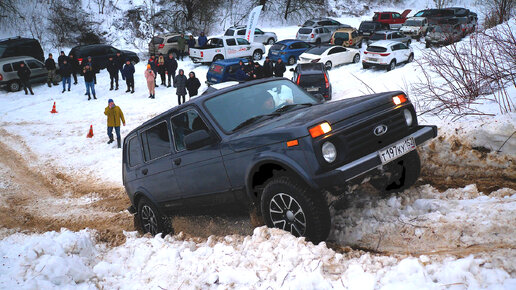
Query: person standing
[74,64]
[268,68]
[89,62]
[170,68]
[65,70]
[24,75]
[279,68]
[50,65]
[61,58]
[154,66]
[119,59]
[89,80]
[114,116]
[161,69]
[192,85]
[128,75]
[181,45]
[150,77]
[191,42]
[180,85]
[112,68]
[202,40]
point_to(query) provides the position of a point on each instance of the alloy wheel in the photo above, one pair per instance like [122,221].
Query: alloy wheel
[287,214]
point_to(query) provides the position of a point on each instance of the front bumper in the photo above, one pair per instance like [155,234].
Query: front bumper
[339,176]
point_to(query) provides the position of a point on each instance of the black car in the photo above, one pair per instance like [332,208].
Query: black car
[18,46]
[368,28]
[268,145]
[100,53]
[313,78]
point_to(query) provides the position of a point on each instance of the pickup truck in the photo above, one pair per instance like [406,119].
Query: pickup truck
[268,146]
[393,19]
[227,47]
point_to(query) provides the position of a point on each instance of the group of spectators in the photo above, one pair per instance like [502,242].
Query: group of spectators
[254,70]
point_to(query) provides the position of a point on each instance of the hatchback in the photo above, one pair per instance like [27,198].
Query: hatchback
[330,55]
[389,35]
[288,50]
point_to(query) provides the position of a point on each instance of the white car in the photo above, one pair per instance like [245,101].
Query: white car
[415,27]
[259,36]
[387,53]
[330,55]
[228,47]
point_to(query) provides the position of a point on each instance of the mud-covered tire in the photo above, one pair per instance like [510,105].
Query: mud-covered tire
[410,166]
[287,203]
[149,220]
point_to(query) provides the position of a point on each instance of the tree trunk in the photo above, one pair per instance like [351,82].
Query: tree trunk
[287,8]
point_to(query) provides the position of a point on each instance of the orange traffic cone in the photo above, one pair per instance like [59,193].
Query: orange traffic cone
[90,133]
[53,109]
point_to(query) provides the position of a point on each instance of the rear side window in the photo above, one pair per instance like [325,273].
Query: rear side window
[34,64]
[157,40]
[241,32]
[173,39]
[372,48]
[308,23]
[231,42]
[134,152]
[278,46]
[2,49]
[16,65]
[379,36]
[156,141]
[305,30]
[7,68]
[229,32]
[385,16]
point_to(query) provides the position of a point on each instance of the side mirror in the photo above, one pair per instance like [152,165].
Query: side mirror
[198,139]
[291,69]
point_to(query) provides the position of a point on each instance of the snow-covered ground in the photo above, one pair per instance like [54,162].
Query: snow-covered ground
[459,238]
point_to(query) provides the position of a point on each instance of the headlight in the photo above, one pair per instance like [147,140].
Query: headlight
[329,152]
[408,117]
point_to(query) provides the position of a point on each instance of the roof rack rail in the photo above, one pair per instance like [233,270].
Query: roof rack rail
[11,38]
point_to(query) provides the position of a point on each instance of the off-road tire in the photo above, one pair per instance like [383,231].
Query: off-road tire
[313,206]
[161,223]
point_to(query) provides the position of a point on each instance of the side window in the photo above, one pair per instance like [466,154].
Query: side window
[231,41]
[339,49]
[7,68]
[396,16]
[385,16]
[156,141]
[333,51]
[325,30]
[185,124]
[326,23]
[112,50]
[396,35]
[16,65]
[242,41]
[402,46]
[333,22]
[258,31]
[394,47]
[134,152]
[303,45]
[241,32]
[173,39]
[354,34]
[34,64]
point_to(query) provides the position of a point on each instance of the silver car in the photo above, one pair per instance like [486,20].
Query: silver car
[259,36]
[314,34]
[328,23]
[389,35]
[9,72]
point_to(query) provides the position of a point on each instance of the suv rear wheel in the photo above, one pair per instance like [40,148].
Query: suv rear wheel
[289,205]
[391,65]
[151,220]
[14,86]
[271,41]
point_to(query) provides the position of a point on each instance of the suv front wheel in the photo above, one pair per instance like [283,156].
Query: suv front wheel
[150,220]
[289,205]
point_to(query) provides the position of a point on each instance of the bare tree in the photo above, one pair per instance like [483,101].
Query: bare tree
[499,11]
[439,4]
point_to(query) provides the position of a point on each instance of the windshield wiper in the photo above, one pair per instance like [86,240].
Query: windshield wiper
[252,120]
[288,107]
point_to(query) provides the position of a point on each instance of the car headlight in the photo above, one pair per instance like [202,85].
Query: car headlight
[408,117]
[329,152]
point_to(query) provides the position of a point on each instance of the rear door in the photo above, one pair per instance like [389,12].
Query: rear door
[259,36]
[232,48]
[37,69]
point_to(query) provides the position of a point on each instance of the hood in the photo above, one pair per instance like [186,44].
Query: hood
[192,73]
[181,70]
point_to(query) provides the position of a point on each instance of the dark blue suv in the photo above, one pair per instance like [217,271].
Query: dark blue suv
[224,70]
[288,50]
[268,146]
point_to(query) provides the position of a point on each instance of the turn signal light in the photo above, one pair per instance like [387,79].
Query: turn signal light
[292,143]
[399,99]
[320,129]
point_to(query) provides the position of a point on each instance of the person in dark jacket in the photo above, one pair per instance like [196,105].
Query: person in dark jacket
[241,75]
[180,85]
[119,59]
[74,63]
[50,65]
[112,68]
[128,75]
[181,46]
[24,75]
[65,70]
[192,85]
[170,68]
[161,69]
[61,58]
[153,61]
[89,76]
[257,71]
[191,42]
[89,62]
[279,68]
[202,40]
[268,68]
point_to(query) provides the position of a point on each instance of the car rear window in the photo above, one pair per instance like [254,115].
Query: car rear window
[216,68]
[341,35]
[308,23]
[413,23]
[7,68]
[157,40]
[278,46]
[379,36]
[315,80]
[317,50]
[366,26]
[373,48]
[305,30]
[229,32]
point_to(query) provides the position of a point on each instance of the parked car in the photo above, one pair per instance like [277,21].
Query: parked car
[347,37]
[443,34]
[288,50]
[268,145]
[224,70]
[467,24]
[227,47]
[9,67]
[415,27]
[166,44]
[100,54]
[387,54]
[315,35]
[330,55]
[259,36]
[18,46]
[389,35]
[313,78]
[327,23]
[393,19]
[368,28]
[435,15]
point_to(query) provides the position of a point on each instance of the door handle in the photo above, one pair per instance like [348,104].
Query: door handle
[177,161]
[144,171]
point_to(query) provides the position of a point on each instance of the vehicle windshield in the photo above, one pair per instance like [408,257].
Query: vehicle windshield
[157,40]
[318,50]
[305,30]
[366,26]
[373,48]
[308,23]
[342,35]
[412,23]
[234,108]
[229,32]
[379,36]
[216,68]
[278,46]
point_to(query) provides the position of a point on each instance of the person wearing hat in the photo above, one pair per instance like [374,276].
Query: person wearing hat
[150,76]
[114,116]
[128,76]
[89,62]
[61,58]
[50,65]
[112,68]
[192,85]
[89,81]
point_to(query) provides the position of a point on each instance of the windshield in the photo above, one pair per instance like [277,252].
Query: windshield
[278,46]
[412,23]
[308,23]
[305,30]
[378,36]
[233,108]
[229,32]
[318,50]
[372,48]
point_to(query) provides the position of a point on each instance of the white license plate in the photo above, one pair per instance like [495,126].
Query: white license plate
[274,52]
[312,89]
[372,59]
[399,149]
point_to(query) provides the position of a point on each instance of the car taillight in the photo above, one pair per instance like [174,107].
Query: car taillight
[350,42]
[312,35]
[1,77]
[326,80]
[161,46]
[384,54]
[80,60]
[298,79]
[365,52]
[202,54]
[316,60]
